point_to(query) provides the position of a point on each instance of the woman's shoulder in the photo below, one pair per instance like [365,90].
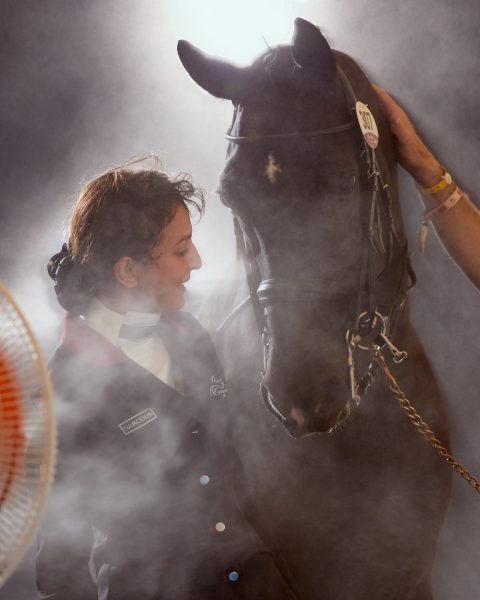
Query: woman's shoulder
[81,342]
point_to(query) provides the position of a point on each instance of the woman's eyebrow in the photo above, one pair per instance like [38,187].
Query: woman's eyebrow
[183,239]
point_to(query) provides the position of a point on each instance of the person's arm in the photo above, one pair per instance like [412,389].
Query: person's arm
[459,227]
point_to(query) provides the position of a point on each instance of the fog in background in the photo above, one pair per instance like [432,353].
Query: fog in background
[88,84]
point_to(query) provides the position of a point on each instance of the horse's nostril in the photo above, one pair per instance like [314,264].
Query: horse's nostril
[297,415]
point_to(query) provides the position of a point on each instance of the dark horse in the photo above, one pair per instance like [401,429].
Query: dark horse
[354,513]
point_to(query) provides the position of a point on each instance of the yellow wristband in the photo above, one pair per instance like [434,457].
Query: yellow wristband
[444,181]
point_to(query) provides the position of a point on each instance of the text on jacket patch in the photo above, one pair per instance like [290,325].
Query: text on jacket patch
[138,420]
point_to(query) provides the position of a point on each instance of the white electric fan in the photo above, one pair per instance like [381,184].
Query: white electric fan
[27,434]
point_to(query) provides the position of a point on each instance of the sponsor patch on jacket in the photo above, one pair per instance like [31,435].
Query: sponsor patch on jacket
[137,421]
[218,387]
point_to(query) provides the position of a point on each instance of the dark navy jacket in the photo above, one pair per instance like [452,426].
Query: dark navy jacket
[144,506]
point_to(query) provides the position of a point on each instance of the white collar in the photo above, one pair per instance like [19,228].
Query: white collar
[140,318]
[107,322]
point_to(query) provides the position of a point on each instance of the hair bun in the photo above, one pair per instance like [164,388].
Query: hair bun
[54,263]
[70,274]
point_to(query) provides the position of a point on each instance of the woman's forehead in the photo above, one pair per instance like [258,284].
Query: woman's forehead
[178,229]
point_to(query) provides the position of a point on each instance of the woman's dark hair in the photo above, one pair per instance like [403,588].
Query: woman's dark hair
[119,213]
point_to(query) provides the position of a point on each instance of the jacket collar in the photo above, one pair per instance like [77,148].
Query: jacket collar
[89,345]
[94,348]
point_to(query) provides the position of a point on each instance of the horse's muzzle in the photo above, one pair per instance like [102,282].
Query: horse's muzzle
[301,423]
[304,427]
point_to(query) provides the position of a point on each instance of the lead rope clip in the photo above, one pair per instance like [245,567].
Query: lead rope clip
[354,340]
[398,355]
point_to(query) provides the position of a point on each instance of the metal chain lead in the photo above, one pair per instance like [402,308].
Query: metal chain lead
[420,424]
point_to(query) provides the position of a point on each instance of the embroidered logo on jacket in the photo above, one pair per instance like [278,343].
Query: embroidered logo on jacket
[137,421]
[218,387]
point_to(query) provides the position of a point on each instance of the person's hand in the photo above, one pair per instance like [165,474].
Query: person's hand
[413,155]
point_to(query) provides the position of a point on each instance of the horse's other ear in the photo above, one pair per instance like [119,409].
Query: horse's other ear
[310,50]
[217,77]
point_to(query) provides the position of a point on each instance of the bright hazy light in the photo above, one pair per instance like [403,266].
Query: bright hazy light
[235,30]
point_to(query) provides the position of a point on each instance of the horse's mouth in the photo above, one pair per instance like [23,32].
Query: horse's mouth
[300,424]
[317,426]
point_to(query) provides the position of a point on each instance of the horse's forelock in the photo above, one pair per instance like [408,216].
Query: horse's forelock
[276,60]
[278,67]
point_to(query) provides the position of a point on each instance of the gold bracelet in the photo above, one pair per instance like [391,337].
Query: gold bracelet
[447,204]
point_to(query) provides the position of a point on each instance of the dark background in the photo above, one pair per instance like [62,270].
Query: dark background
[88,84]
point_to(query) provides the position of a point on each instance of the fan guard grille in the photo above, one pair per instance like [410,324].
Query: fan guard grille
[27,434]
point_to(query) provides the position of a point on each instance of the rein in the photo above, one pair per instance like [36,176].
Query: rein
[411,413]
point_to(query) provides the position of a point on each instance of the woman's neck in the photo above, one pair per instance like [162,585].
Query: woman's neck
[123,302]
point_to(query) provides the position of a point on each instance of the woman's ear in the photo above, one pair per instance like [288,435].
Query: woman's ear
[127,271]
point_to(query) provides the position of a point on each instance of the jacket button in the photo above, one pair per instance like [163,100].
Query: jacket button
[233,576]
[204,479]
[220,527]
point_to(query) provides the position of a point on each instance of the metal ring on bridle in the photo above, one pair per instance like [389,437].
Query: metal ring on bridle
[377,316]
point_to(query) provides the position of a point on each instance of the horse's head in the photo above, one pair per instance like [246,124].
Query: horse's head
[300,185]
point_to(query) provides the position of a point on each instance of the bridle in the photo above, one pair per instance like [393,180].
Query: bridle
[371,331]
[367,321]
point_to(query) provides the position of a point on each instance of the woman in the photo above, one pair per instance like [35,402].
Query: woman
[144,504]
[455,218]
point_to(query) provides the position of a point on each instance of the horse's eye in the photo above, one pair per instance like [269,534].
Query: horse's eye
[345,184]
[336,184]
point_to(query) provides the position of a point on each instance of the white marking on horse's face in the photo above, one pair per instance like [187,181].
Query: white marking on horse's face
[272,168]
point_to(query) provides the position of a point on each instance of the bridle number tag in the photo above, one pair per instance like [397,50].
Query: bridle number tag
[367,124]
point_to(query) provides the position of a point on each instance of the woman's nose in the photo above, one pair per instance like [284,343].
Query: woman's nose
[195,259]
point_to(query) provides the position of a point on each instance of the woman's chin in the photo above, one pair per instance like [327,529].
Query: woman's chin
[174,302]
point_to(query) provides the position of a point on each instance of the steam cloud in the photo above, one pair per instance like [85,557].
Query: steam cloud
[87,85]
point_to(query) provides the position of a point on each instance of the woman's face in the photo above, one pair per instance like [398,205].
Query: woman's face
[168,267]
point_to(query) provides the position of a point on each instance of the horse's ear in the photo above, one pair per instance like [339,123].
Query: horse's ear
[218,77]
[310,50]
